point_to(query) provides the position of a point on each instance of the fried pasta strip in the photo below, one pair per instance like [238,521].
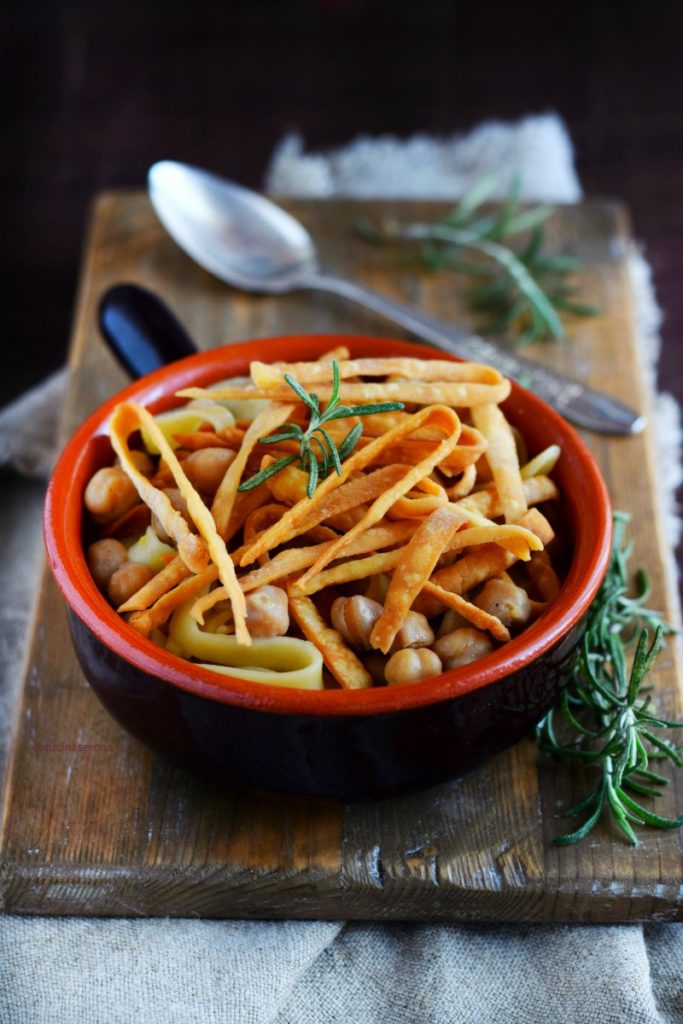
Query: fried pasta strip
[477,616]
[266,375]
[514,538]
[354,494]
[165,580]
[415,506]
[537,489]
[410,452]
[269,419]
[245,503]
[261,518]
[258,521]
[345,572]
[293,560]
[204,522]
[464,484]
[489,559]
[127,417]
[450,425]
[309,512]
[161,611]
[458,394]
[501,456]
[346,668]
[417,563]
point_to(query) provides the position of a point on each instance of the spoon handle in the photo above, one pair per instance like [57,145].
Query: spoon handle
[140,329]
[581,405]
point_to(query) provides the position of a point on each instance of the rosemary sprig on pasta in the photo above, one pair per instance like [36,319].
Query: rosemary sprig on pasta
[604,720]
[331,455]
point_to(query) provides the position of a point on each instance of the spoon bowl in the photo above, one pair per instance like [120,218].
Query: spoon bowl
[234,233]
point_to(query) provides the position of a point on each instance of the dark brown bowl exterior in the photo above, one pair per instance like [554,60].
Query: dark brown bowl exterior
[360,757]
[351,744]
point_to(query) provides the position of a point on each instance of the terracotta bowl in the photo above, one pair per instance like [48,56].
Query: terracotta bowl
[349,744]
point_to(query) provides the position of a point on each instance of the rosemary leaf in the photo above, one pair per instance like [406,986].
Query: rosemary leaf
[603,720]
[331,456]
[527,289]
[350,441]
[265,474]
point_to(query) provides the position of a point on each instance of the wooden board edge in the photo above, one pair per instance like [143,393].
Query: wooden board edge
[313,896]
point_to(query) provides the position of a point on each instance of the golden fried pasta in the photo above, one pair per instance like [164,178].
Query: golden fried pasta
[419,557]
[344,665]
[430,505]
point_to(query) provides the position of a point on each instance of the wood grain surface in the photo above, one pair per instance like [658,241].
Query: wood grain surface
[94,824]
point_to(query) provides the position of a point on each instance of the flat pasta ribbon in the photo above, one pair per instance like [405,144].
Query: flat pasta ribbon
[201,517]
[458,394]
[265,375]
[344,665]
[269,419]
[127,417]
[279,660]
[420,556]
[501,456]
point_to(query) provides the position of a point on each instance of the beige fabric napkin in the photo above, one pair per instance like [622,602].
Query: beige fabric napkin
[57,971]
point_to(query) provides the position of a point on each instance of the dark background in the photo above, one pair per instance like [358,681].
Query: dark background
[93,92]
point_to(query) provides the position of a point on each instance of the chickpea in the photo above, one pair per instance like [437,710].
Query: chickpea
[354,617]
[141,461]
[127,580]
[411,666]
[451,620]
[206,468]
[104,558]
[462,646]
[180,505]
[267,611]
[415,632]
[506,601]
[109,495]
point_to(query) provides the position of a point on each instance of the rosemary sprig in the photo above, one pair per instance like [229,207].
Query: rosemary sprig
[520,291]
[330,455]
[605,715]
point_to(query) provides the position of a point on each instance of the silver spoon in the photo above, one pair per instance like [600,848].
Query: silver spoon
[245,239]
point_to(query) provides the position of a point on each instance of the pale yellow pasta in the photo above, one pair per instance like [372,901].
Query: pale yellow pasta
[185,420]
[543,463]
[279,661]
[151,551]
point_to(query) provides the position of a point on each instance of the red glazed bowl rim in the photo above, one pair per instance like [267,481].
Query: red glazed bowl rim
[63,520]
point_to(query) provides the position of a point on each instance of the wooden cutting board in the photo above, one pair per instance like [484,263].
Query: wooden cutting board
[94,824]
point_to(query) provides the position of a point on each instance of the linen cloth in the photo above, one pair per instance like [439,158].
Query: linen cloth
[124,971]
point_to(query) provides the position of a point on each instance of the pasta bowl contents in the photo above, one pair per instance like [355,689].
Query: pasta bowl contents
[385,540]
[353,572]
